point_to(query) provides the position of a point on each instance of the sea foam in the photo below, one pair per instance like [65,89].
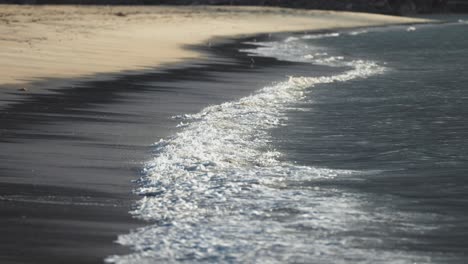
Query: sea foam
[215,191]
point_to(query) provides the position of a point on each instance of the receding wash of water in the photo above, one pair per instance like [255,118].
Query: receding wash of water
[367,164]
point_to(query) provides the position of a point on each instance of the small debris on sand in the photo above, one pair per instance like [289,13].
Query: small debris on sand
[120,14]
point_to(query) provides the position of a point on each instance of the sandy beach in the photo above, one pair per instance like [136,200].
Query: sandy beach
[39,42]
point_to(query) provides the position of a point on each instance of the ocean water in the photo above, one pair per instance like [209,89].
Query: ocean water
[368,164]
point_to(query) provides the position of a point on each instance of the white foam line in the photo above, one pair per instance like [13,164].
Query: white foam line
[321,36]
[221,141]
[219,172]
[358,32]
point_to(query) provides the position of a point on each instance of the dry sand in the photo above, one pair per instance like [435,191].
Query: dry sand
[70,41]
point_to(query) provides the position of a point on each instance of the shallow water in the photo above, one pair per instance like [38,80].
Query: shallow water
[406,130]
[364,165]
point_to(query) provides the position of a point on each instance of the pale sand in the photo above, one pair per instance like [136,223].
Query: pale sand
[69,41]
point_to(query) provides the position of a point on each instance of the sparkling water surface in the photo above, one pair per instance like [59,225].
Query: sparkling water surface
[408,128]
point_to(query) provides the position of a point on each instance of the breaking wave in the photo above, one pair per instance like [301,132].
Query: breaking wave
[215,191]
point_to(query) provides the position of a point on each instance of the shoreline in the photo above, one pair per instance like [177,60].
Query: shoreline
[68,176]
[111,122]
[80,42]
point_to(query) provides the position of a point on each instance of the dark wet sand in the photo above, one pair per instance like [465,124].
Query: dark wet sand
[70,153]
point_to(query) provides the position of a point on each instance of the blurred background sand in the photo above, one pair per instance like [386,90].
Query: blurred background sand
[39,42]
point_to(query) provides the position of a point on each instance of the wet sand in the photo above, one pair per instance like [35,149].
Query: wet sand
[70,155]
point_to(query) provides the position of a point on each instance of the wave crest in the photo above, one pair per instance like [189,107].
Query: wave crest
[218,179]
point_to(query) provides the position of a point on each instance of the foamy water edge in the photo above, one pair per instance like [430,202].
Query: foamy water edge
[220,175]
